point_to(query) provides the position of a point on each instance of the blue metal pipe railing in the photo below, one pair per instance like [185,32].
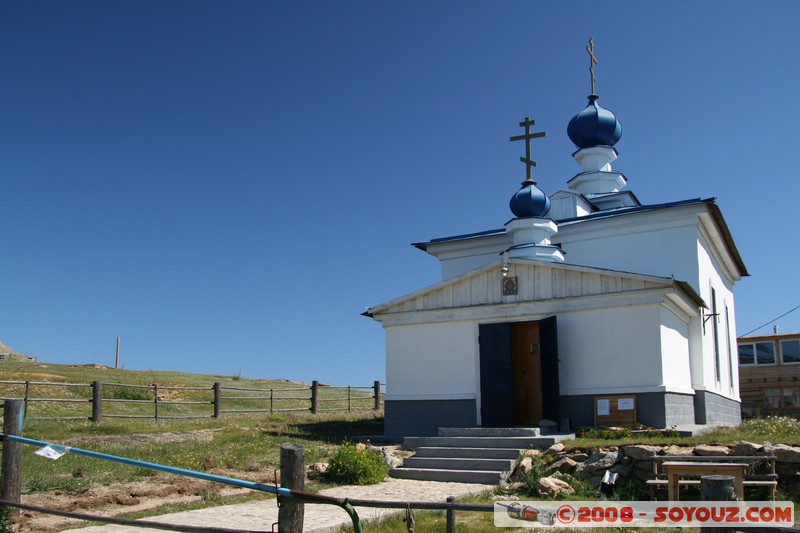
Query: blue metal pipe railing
[280,491]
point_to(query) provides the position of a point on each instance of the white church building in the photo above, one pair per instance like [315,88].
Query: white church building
[586,307]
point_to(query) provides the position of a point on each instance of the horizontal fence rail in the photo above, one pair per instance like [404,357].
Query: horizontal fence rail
[49,400]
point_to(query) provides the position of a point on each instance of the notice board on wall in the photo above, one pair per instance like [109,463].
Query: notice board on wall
[615,411]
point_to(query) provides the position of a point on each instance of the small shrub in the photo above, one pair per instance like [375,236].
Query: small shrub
[539,466]
[631,491]
[351,465]
[6,525]
[582,487]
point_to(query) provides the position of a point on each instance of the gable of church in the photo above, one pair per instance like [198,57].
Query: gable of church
[535,282]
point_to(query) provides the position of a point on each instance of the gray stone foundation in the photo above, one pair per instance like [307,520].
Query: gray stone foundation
[710,408]
[422,418]
[656,409]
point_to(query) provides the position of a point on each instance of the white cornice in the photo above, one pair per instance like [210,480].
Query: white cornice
[529,310]
[616,391]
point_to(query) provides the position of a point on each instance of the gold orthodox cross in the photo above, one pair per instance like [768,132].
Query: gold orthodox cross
[592,60]
[527,137]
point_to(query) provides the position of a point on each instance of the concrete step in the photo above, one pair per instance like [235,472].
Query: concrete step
[470,453]
[411,443]
[489,432]
[456,463]
[459,476]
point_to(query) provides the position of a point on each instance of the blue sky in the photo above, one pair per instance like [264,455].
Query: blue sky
[228,185]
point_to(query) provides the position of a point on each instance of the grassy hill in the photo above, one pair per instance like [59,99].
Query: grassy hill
[240,444]
[177,394]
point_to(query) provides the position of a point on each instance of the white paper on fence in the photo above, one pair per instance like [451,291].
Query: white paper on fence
[51,451]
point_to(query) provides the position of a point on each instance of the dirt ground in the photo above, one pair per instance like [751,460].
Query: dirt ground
[118,499]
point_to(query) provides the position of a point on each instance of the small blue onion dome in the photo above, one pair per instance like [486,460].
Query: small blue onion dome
[529,201]
[594,126]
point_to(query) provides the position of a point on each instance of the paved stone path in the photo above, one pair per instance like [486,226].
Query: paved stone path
[260,516]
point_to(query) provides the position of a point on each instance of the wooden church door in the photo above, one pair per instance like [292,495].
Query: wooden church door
[526,373]
[519,373]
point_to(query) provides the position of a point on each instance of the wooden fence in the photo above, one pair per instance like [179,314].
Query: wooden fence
[122,400]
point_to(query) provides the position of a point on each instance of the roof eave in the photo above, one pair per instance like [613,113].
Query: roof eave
[719,220]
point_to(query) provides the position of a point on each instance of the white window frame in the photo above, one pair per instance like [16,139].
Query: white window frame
[755,353]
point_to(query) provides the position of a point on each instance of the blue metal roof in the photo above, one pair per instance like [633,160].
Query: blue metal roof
[711,204]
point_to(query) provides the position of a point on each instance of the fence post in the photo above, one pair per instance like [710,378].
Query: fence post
[155,400]
[451,517]
[314,397]
[97,401]
[12,454]
[217,398]
[717,488]
[27,392]
[290,514]
[348,399]
[377,395]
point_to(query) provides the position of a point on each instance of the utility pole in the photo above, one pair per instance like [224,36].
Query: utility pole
[116,361]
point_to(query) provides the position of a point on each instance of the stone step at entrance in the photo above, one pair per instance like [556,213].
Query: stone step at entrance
[459,463]
[461,476]
[474,453]
[471,455]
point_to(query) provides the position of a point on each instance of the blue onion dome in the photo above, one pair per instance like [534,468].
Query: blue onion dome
[529,201]
[594,126]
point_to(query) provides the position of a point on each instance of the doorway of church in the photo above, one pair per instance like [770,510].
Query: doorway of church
[518,373]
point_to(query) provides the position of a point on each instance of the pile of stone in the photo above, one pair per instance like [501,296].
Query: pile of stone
[636,462]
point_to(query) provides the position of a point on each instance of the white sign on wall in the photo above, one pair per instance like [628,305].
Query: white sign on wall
[625,404]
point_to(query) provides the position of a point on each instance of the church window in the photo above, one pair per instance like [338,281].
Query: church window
[714,316]
[790,351]
[728,346]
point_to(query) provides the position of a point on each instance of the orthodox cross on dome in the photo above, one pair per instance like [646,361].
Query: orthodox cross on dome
[592,60]
[527,137]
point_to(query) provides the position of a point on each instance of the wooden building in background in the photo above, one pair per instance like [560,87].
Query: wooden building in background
[769,375]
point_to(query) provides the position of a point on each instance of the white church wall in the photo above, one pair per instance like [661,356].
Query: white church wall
[714,284]
[435,361]
[731,346]
[653,245]
[610,350]
[675,362]
[456,266]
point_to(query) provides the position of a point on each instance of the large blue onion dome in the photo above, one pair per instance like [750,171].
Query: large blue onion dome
[529,201]
[594,126]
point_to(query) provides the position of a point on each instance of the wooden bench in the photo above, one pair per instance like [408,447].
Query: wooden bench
[768,478]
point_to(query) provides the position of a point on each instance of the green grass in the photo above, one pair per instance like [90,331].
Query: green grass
[777,430]
[249,444]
